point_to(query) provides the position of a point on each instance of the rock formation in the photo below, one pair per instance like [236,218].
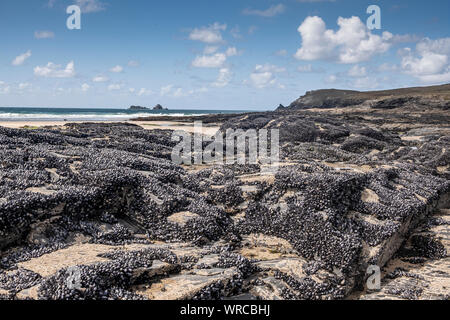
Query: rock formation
[104,201]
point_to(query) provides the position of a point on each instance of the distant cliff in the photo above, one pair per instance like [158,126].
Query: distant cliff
[435,96]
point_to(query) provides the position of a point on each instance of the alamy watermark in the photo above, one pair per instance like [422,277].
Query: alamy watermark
[374,280]
[250,147]
[374,21]
[73,279]
[74,20]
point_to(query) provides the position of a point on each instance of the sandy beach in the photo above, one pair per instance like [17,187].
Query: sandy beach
[149,125]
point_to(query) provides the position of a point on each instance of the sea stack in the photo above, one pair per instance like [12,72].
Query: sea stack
[159,107]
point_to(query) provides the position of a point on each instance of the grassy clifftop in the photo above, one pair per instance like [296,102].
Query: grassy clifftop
[435,96]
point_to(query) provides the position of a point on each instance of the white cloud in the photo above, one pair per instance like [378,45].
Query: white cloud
[89,6]
[213,61]
[357,71]
[270,12]
[263,75]
[114,87]
[44,34]
[262,79]
[269,68]
[52,70]
[20,60]
[85,87]
[117,69]
[211,34]
[352,43]
[100,78]
[232,51]
[436,78]
[223,79]
[430,62]
[132,90]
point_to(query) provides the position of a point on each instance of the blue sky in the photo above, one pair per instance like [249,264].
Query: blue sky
[211,54]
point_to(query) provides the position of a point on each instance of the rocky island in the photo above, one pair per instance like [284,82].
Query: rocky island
[137,108]
[159,107]
[364,180]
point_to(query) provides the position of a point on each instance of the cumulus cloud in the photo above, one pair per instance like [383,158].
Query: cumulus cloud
[117,69]
[44,34]
[20,59]
[351,43]
[263,75]
[211,34]
[52,70]
[430,62]
[223,79]
[262,79]
[212,61]
[85,87]
[270,12]
[100,78]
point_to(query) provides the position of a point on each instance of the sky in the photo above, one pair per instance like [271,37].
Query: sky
[215,54]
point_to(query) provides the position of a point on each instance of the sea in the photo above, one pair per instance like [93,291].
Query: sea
[91,114]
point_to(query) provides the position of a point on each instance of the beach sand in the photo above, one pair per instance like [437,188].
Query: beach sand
[149,125]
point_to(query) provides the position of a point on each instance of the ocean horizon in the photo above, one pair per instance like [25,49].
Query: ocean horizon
[94,114]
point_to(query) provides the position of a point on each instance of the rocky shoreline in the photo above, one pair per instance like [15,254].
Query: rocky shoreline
[104,201]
